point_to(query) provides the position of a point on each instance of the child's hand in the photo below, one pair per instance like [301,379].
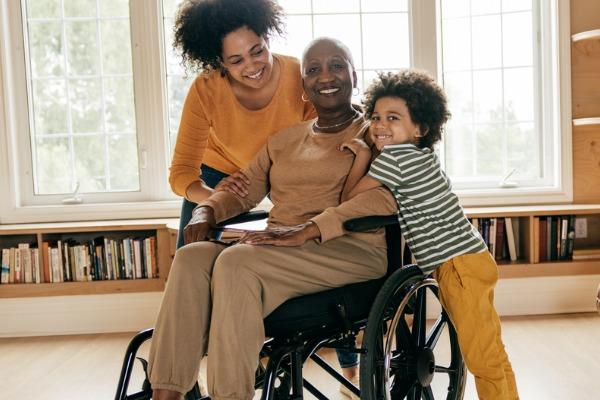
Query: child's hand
[356,146]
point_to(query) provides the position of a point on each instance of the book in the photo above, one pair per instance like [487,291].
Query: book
[492,236]
[155,271]
[564,231]
[18,270]
[35,254]
[554,242]
[510,239]
[582,257]
[11,265]
[5,271]
[587,251]
[536,239]
[26,266]
[570,236]
[543,239]
[548,238]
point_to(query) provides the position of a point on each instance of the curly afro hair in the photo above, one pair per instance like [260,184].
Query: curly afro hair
[425,100]
[201,25]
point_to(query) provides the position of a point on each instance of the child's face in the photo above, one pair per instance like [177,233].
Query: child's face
[391,123]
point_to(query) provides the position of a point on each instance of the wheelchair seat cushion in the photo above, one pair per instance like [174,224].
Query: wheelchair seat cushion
[318,312]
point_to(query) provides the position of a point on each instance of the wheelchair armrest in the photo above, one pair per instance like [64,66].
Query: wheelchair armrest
[370,222]
[249,216]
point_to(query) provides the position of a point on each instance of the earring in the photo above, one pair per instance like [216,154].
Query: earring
[357,91]
[304,98]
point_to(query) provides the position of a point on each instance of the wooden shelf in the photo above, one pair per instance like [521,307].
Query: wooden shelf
[38,233]
[556,268]
[81,288]
[524,211]
[587,35]
[586,121]
[88,226]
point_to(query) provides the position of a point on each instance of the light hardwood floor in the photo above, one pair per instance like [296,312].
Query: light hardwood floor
[554,357]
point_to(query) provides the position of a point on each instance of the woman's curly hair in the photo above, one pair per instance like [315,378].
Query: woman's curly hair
[425,100]
[201,25]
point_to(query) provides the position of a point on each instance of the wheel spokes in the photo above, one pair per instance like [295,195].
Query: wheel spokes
[428,393]
[436,332]
[419,324]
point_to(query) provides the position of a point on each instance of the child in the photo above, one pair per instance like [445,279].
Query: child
[407,112]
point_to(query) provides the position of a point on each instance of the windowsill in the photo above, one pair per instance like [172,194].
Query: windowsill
[83,212]
[513,197]
[98,212]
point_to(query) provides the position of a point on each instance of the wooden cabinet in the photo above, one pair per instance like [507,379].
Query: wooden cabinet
[528,265]
[33,235]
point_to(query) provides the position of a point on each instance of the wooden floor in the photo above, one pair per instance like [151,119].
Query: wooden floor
[554,357]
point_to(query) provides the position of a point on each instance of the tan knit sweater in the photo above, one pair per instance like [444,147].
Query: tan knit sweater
[305,172]
[217,131]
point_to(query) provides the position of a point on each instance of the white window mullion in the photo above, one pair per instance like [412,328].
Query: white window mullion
[151,97]
[423,35]
[20,172]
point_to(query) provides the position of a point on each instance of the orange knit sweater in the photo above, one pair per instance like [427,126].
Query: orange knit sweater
[217,131]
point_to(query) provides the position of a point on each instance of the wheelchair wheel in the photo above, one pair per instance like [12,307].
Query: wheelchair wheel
[407,356]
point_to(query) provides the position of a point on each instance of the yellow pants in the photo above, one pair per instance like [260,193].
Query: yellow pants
[467,293]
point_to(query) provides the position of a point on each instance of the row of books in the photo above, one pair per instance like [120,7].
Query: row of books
[586,254]
[555,236]
[71,261]
[501,235]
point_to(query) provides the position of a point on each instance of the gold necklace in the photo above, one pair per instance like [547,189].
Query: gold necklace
[316,124]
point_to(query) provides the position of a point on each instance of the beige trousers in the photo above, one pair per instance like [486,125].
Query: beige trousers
[216,298]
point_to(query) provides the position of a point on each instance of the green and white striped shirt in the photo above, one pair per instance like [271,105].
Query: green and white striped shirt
[432,221]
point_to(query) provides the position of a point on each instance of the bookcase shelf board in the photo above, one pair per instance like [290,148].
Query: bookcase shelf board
[557,268]
[81,288]
[586,121]
[593,34]
[523,211]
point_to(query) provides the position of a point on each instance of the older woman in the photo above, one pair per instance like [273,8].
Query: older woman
[217,296]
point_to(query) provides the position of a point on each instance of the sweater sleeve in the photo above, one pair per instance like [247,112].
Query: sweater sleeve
[227,205]
[378,201]
[191,144]
[385,170]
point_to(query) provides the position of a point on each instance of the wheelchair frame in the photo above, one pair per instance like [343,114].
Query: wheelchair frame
[397,362]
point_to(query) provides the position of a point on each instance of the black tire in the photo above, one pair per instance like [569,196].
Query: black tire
[400,361]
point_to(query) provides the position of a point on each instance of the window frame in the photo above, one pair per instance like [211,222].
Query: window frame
[155,199]
[556,120]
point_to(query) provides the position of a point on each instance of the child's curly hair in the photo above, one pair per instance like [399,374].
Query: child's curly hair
[425,100]
[201,25]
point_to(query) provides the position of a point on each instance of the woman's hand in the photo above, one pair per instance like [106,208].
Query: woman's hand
[356,146]
[203,219]
[283,236]
[236,183]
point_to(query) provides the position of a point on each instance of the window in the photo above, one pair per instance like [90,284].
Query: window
[500,72]
[93,95]
[363,25]
[81,100]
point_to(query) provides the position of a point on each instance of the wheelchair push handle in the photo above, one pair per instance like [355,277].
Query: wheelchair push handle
[370,223]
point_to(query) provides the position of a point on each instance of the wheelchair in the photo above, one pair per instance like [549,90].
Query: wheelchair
[405,353]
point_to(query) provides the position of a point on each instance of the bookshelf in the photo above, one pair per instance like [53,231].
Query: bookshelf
[585,86]
[526,265]
[36,234]
[165,230]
